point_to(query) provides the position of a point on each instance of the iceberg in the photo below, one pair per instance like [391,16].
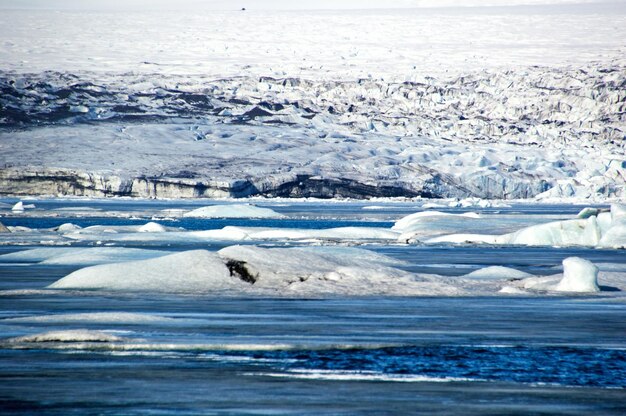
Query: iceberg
[302,271]
[189,271]
[329,271]
[497,273]
[233,211]
[579,275]
[152,227]
[80,256]
[18,207]
[602,230]
[3,229]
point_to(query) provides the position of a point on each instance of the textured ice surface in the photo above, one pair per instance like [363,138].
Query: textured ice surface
[604,230]
[249,269]
[579,275]
[471,102]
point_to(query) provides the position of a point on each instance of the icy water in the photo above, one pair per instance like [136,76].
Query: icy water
[185,354]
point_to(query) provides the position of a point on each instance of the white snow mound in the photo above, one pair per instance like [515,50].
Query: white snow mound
[579,275]
[80,256]
[233,211]
[189,271]
[19,207]
[152,227]
[497,273]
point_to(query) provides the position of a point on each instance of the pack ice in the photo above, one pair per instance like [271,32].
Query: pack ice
[597,229]
[249,269]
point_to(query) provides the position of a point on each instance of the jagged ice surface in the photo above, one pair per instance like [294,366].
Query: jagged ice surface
[507,103]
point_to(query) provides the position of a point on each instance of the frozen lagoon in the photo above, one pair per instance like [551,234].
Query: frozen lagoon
[308,354]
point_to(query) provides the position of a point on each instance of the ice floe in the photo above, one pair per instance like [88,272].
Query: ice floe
[80,255]
[233,211]
[18,207]
[601,230]
[125,318]
[70,335]
[579,275]
[249,269]
[189,271]
[497,273]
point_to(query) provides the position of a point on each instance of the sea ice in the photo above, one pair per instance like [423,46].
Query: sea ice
[497,273]
[189,271]
[233,211]
[248,269]
[152,227]
[80,256]
[70,335]
[604,230]
[18,207]
[579,275]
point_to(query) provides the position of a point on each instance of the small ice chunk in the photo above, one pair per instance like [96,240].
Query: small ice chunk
[588,212]
[579,275]
[19,207]
[68,227]
[71,335]
[512,290]
[405,224]
[233,211]
[152,227]
[497,273]
[3,229]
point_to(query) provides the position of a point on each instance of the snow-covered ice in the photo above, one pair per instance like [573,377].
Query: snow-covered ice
[79,255]
[307,271]
[233,211]
[190,271]
[484,102]
[497,273]
[579,275]
[602,230]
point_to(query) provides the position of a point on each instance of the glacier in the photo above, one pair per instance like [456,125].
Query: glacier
[491,103]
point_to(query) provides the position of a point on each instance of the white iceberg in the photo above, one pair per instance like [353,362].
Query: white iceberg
[323,271]
[602,230]
[68,227]
[406,223]
[233,211]
[152,227]
[80,256]
[497,273]
[306,271]
[579,275]
[340,233]
[189,271]
[18,207]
